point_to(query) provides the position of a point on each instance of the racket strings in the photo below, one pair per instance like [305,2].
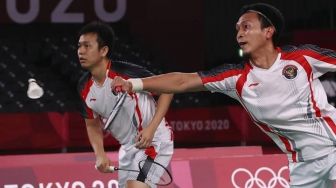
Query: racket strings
[163,177]
[157,173]
[153,172]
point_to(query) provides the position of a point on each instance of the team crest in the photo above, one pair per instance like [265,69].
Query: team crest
[290,71]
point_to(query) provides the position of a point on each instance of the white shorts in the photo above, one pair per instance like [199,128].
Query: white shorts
[129,158]
[317,173]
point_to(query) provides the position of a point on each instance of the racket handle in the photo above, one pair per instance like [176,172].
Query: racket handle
[110,168]
[117,89]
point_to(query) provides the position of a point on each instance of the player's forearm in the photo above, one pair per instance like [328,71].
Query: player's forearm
[161,110]
[172,83]
[165,83]
[95,135]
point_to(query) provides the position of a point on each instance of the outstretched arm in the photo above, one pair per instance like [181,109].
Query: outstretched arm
[145,137]
[175,82]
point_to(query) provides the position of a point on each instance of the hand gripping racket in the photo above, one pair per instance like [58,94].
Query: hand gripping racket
[120,100]
[150,170]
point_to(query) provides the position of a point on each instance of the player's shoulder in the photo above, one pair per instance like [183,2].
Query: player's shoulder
[225,67]
[299,48]
[305,49]
[130,70]
[291,51]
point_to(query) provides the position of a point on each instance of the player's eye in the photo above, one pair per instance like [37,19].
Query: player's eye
[247,26]
[85,45]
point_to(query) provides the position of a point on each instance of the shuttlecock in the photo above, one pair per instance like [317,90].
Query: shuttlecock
[34,90]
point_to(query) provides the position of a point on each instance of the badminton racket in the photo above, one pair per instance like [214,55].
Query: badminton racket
[120,100]
[149,170]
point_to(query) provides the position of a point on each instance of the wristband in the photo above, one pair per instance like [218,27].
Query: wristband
[137,84]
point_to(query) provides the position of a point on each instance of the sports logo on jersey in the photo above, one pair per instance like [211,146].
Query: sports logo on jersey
[290,71]
[253,84]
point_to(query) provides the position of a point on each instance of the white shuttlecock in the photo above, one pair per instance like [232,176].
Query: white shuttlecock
[34,90]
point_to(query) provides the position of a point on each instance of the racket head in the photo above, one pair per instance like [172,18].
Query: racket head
[155,172]
[120,100]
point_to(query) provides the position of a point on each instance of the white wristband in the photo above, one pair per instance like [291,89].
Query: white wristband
[137,84]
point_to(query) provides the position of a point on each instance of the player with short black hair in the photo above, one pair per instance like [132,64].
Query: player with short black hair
[278,87]
[269,16]
[105,35]
[139,125]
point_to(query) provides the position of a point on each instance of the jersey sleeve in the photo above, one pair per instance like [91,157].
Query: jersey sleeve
[222,79]
[83,89]
[321,60]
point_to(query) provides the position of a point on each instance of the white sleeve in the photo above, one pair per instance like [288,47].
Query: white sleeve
[222,79]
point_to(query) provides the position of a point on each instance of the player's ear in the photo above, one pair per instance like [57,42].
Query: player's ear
[270,32]
[104,50]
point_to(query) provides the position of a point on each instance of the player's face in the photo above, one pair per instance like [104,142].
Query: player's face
[88,51]
[250,36]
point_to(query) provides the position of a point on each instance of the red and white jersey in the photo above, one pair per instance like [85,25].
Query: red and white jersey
[287,101]
[136,112]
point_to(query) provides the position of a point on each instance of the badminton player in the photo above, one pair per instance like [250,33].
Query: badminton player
[139,126]
[279,88]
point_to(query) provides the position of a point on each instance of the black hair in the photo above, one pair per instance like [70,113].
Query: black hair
[105,35]
[269,16]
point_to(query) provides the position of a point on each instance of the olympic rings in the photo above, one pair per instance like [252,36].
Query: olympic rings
[261,183]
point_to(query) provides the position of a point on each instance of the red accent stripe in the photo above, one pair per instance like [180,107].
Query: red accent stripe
[284,140]
[138,112]
[242,79]
[264,127]
[318,56]
[298,57]
[84,94]
[288,147]
[150,151]
[221,76]
[331,123]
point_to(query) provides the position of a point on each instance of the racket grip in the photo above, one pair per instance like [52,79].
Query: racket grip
[111,168]
[117,89]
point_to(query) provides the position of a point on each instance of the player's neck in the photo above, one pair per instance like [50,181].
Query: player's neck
[264,58]
[99,72]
